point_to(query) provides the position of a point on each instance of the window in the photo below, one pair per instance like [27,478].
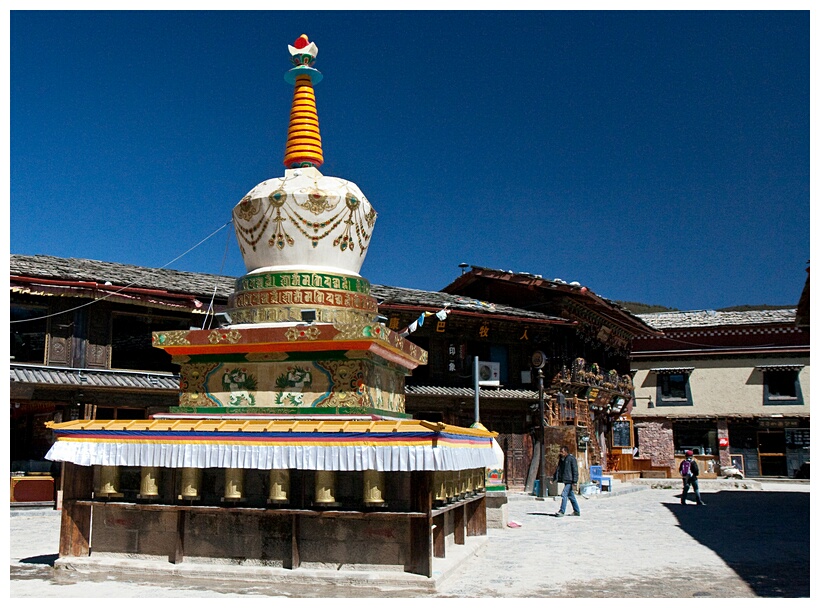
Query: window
[700,437]
[673,386]
[782,387]
[28,338]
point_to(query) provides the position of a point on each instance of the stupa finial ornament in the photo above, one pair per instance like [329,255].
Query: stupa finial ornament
[304,145]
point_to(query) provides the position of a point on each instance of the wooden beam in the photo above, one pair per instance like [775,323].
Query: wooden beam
[179,547]
[438,536]
[295,559]
[476,513]
[75,524]
[458,525]
[421,546]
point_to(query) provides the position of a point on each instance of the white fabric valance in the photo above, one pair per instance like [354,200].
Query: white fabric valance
[317,458]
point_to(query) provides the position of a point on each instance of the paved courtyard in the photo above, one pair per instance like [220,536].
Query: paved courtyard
[743,543]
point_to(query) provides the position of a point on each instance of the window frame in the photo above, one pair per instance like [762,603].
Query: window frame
[662,401]
[798,391]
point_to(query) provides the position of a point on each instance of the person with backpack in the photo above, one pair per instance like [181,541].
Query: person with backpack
[689,473]
[567,472]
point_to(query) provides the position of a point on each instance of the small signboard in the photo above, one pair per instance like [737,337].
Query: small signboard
[622,434]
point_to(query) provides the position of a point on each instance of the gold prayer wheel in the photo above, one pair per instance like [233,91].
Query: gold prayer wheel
[148,482]
[189,483]
[468,479]
[233,483]
[373,487]
[439,486]
[449,485]
[109,481]
[462,484]
[279,485]
[325,487]
[478,479]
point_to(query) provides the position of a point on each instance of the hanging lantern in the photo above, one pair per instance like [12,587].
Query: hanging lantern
[148,482]
[190,481]
[373,487]
[233,483]
[325,487]
[109,481]
[279,485]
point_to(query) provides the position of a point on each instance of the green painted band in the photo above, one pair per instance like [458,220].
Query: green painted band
[319,280]
[290,411]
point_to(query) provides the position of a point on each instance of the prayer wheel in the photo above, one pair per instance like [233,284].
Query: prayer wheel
[233,483]
[468,478]
[478,479]
[439,486]
[449,485]
[109,481]
[373,487]
[325,487]
[148,482]
[279,485]
[462,483]
[189,483]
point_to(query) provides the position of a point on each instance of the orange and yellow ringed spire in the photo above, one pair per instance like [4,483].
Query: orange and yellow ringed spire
[304,145]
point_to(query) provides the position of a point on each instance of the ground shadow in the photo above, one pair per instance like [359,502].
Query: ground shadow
[47,560]
[762,536]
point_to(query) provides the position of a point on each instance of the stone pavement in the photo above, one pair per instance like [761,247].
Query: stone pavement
[638,542]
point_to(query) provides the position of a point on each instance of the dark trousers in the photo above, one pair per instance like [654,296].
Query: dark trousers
[693,481]
[568,493]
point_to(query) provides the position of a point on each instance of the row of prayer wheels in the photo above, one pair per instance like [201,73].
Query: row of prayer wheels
[279,486]
[452,486]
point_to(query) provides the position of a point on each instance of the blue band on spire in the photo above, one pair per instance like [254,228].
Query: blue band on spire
[315,75]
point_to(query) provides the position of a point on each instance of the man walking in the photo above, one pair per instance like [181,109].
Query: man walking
[689,473]
[567,472]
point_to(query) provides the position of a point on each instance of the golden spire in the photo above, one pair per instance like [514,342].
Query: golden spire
[304,145]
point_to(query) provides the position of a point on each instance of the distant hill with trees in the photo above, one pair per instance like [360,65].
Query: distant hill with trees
[637,308]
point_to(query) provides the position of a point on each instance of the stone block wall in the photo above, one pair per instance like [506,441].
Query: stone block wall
[655,440]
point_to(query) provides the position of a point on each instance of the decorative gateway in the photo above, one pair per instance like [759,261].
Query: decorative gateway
[291,432]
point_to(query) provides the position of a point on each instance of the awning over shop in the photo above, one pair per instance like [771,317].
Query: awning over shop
[329,445]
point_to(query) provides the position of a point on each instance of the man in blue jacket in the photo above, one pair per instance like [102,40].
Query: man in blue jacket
[567,472]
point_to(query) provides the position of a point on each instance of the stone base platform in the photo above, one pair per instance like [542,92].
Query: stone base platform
[381,580]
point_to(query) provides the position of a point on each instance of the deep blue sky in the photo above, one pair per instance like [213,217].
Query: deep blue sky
[660,157]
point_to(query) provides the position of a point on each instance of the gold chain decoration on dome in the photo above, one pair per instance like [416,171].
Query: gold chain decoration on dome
[356,230]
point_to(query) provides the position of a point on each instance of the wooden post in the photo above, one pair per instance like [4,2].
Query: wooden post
[421,547]
[179,548]
[438,536]
[477,517]
[295,560]
[75,524]
[458,524]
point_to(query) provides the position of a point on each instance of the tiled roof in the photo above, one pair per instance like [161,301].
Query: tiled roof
[75,269]
[460,391]
[712,318]
[546,287]
[437,300]
[111,379]
[199,284]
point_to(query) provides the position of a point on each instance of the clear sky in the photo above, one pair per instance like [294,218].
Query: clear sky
[660,157]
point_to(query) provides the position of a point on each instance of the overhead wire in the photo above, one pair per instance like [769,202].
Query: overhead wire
[121,289]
